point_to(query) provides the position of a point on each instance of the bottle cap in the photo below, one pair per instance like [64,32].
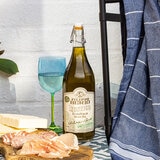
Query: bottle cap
[78,26]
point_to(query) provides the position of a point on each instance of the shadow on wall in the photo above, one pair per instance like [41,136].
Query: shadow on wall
[7,96]
[7,92]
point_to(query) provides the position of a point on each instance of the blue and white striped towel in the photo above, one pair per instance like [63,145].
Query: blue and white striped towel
[136,123]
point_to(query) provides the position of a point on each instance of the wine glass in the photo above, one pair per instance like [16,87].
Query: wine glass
[50,74]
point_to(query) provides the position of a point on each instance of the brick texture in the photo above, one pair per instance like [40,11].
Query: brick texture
[30,29]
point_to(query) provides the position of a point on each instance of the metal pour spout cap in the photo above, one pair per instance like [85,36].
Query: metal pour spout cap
[77,27]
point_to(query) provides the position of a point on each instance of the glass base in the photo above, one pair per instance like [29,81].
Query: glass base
[55,128]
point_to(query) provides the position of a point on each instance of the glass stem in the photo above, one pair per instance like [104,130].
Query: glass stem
[52,107]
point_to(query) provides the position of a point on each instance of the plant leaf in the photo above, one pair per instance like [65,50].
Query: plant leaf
[8,66]
[1,52]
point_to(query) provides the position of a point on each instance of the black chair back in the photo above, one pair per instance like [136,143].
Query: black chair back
[104,16]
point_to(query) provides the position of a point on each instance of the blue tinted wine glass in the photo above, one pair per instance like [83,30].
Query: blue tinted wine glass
[50,74]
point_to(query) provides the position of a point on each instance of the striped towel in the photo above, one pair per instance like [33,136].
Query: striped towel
[136,123]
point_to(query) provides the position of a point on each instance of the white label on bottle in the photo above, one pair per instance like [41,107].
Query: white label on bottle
[79,111]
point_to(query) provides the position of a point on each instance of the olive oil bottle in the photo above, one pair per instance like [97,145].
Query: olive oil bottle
[79,90]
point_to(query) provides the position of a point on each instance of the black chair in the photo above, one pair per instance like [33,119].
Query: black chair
[104,17]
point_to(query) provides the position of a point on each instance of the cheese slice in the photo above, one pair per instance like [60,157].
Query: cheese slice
[23,121]
[6,129]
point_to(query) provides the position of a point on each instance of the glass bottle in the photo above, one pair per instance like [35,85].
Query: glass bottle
[79,90]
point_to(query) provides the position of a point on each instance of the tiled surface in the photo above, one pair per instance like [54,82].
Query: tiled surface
[99,145]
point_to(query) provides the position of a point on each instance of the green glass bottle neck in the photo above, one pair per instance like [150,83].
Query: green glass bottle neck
[77,51]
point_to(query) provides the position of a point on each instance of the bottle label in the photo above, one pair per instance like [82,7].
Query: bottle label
[79,111]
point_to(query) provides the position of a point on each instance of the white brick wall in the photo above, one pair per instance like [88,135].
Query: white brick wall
[32,28]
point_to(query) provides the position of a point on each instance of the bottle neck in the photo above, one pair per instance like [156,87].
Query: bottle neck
[79,51]
[77,37]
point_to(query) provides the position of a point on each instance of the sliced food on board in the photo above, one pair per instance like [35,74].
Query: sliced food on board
[35,141]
